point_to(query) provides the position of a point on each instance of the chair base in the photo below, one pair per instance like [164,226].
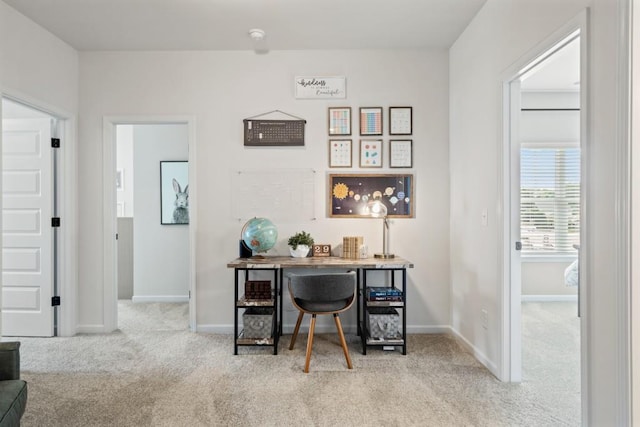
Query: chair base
[312,326]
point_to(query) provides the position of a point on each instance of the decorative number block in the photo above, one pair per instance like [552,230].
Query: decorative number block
[321,250]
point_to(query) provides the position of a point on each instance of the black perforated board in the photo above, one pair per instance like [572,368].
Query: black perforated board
[259,133]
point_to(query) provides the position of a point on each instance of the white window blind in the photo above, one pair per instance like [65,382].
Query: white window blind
[549,198]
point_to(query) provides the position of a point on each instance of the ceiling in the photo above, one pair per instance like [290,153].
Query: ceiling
[559,72]
[224,24]
[289,25]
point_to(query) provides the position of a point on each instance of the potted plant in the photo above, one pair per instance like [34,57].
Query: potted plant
[300,244]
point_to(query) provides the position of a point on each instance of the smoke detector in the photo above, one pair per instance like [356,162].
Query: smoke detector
[257,34]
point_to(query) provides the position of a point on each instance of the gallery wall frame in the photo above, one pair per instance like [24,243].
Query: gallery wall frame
[370,153]
[349,193]
[339,121]
[340,153]
[371,121]
[400,120]
[174,192]
[400,153]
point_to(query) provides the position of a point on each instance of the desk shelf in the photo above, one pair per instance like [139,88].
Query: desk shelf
[244,302]
[385,303]
[364,304]
[241,304]
[241,340]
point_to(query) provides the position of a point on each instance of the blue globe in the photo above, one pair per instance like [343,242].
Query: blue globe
[259,234]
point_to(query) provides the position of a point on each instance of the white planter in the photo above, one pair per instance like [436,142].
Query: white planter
[300,252]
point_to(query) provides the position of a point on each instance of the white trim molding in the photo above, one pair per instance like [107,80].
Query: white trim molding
[623,215]
[635,214]
[549,298]
[510,367]
[159,298]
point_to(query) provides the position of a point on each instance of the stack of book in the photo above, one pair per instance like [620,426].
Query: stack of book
[383,293]
[351,247]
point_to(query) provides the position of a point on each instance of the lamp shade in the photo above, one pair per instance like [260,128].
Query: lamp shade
[375,209]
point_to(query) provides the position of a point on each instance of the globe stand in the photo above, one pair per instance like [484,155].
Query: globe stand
[244,251]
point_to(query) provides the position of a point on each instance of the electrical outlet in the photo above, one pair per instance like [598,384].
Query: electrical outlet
[485,319]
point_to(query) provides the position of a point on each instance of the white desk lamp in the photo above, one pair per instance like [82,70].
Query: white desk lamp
[377,209]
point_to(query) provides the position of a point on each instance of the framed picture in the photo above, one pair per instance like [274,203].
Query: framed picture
[370,153]
[339,120]
[174,192]
[340,153]
[400,153]
[349,194]
[370,121]
[120,179]
[400,120]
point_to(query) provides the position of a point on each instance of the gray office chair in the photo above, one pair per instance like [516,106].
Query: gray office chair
[315,294]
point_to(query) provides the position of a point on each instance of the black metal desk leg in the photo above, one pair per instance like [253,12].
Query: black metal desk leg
[235,314]
[404,312]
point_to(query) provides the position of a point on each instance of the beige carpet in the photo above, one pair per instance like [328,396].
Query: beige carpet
[153,372]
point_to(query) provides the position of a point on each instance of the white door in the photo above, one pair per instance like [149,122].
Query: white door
[27,252]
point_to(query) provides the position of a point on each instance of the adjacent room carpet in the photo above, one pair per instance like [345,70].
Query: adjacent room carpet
[154,372]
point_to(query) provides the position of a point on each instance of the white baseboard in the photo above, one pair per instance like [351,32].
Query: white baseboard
[323,329]
[480,356]
[433,329]
[91,329]
[549,298]
[160,298]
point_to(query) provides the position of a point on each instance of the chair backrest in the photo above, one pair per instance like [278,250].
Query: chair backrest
[323,287]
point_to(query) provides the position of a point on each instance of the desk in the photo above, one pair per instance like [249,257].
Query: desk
[277,264]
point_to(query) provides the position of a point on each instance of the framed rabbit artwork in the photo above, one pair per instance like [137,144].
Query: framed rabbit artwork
[174,192]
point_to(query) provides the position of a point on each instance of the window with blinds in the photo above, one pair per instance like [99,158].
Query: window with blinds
[549,198]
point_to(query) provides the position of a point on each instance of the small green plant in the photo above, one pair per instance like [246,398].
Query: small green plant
[300,238]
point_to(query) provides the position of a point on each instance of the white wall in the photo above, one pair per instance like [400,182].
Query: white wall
[160,252]
[125,258]
[221,89]
[500,34]
[545,278]
[124,163]
[35,65]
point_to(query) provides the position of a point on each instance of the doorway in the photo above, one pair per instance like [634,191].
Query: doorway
[549,205]
[531,228]
[152,143]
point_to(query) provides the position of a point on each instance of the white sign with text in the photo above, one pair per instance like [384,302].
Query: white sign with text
[320,87]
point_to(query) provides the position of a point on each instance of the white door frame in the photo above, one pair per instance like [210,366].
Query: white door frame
[110,278]
[67,208]
[634,35]
[511,289]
